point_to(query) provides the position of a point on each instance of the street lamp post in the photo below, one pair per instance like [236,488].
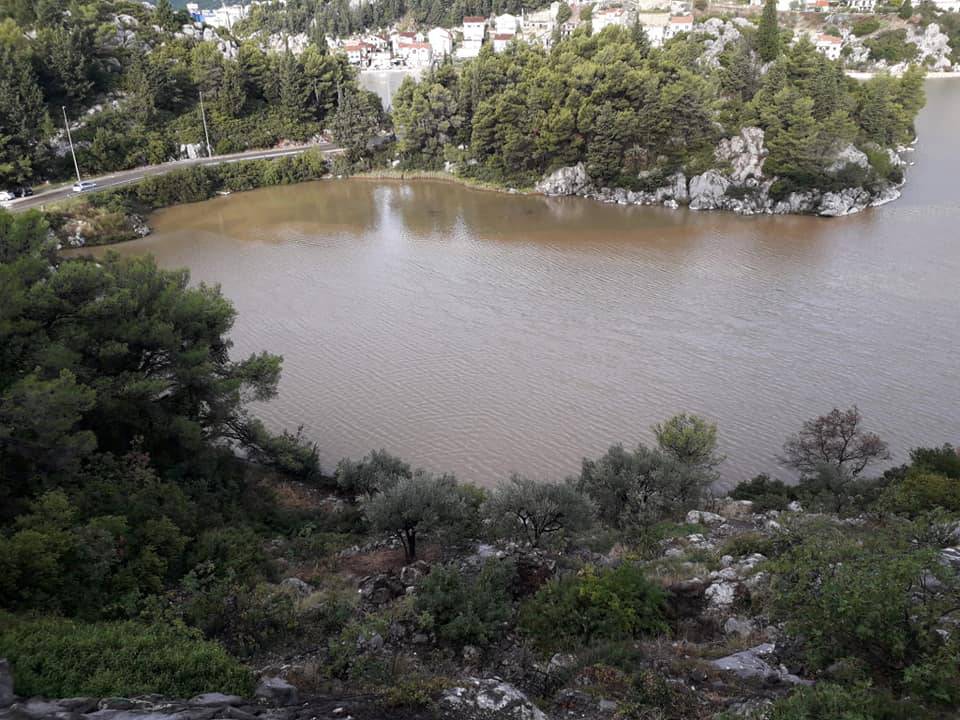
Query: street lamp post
[206,133]
[73,152]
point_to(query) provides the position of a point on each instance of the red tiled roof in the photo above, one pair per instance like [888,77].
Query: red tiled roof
[504,36]
[474,19]
[682,20]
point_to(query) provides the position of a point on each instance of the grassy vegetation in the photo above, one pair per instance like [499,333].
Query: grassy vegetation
[57,657]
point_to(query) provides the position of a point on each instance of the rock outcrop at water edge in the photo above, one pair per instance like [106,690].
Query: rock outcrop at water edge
[738,184]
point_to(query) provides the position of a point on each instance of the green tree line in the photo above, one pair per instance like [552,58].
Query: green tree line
[633,114]
[131,85]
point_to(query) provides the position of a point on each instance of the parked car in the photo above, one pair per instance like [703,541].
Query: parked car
[14,193]
[84,186]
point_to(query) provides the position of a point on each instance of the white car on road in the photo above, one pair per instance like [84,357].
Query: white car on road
[83,186]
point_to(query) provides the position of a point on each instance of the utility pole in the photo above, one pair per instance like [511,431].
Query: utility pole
[70,139]
[206,133]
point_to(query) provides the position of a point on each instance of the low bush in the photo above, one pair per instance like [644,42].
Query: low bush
[467,610]
[572,611]
[872,601]
[765,493]
[921,492]
[865,26]
[750,543]
[826,700]
[55,657]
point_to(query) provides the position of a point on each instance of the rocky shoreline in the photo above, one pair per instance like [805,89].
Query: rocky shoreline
[740,186]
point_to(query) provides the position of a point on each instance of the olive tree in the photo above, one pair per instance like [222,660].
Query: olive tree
[642,486]
[374,473]
[835,441]
[528,510]
[415,505]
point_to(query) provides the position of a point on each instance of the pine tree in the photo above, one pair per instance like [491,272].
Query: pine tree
[292,88]
[640,37]
[165,15]
[232,96]
[906,10]
[22,116]
[768,33]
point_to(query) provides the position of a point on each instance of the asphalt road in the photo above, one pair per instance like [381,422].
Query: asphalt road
[42,197]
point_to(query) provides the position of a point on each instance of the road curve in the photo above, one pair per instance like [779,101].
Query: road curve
[126,177]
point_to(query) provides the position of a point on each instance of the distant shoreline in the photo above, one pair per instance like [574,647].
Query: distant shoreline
[858,75]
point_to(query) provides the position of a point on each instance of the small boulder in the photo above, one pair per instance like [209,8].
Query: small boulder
[702,517]
[743,627]
[721,594]
[413,574]
[753,663]
[277,691]
[216,699]
[490,697]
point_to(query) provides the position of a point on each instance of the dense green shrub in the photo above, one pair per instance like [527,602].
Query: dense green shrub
[921,492]
[882,165]
[636,489]
[596,605]
[765,493]
[467,610]
[179,186]
[245,618]
[870,601]
[865,26]
[892,46]
[943,460]
[63,658]
[836,702]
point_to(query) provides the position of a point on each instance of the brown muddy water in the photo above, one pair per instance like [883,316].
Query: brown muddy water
[486,333]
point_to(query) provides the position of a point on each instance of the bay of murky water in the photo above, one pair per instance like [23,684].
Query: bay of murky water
[485,333]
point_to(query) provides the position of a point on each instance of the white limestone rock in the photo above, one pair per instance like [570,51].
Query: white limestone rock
[570,180]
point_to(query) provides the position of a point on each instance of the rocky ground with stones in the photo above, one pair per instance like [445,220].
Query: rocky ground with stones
[720,656]
[738,184]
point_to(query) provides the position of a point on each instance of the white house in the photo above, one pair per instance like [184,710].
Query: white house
[678,24]
[501,41]
[416,54]
[397,38]
[609,16]
[506,24]
[356,52]
[863,6]
[469,49]
[655,26]
[829,45]
[540,22]
[947,5]
[474,28]
[441,42]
